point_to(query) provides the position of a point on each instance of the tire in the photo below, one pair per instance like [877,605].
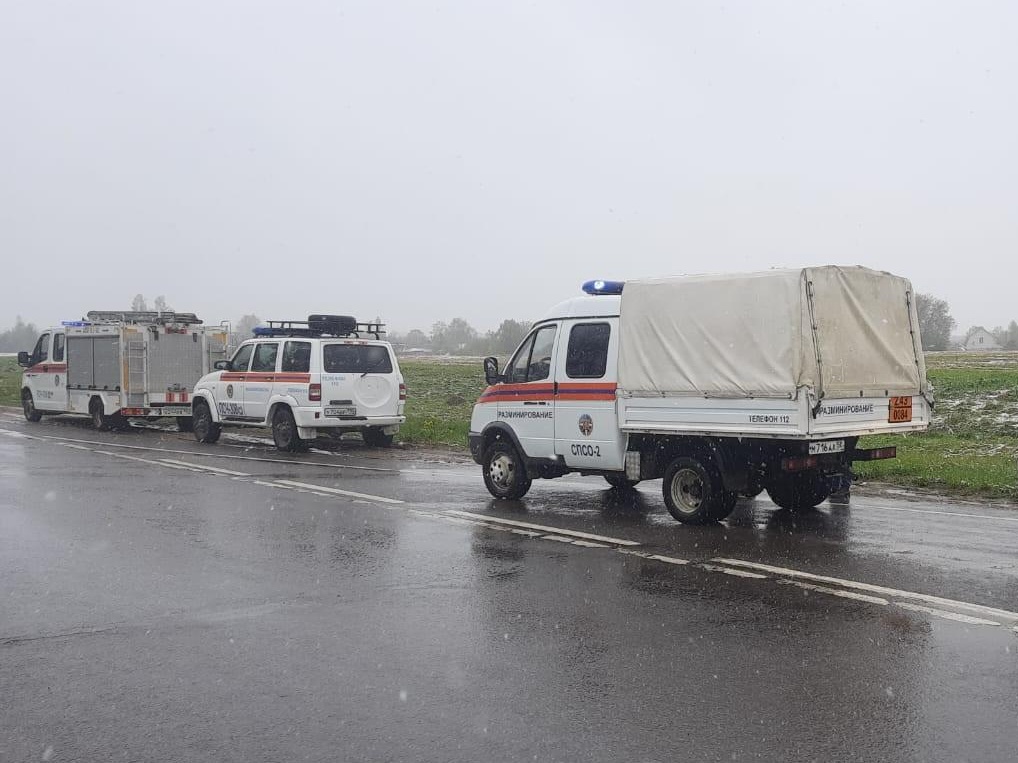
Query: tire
[693,491]
[284,431]
[729,501]
[205,429]
[28,406]
[505,475]
[620,481]
[376,438]
[799,492]
[185,424]
[100,420]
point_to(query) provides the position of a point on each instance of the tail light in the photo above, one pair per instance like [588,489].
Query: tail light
[799,464]
[315,393]
[402,392]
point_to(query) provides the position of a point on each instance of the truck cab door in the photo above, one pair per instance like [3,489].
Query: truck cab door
[258,388]
[229,390]
[525,399]
[587,432]
[45,376]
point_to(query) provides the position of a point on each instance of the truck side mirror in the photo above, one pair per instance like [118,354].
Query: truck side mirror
[24,359]
[491,374]
[223,365]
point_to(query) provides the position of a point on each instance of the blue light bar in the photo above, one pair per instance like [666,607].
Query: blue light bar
[598,288]
[262,331]
[75,323]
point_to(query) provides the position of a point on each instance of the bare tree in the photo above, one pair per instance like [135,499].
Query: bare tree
[935,321]
[161,305]
[138,304]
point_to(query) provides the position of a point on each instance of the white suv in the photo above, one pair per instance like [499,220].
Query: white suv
[326,375]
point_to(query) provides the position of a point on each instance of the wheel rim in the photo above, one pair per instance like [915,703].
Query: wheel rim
[501,470]
[688,491]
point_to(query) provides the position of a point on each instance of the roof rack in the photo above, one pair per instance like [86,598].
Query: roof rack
[141,316]
[321,326]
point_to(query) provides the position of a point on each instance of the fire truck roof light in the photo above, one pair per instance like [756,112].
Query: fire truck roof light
[598,288]
[75,323]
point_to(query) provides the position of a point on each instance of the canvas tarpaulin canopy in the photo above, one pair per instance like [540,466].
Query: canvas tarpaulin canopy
[836,331]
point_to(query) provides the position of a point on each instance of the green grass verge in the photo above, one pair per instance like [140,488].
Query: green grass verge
[10,382]
[440,399]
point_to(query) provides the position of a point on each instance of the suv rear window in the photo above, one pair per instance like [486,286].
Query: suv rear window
[356,359]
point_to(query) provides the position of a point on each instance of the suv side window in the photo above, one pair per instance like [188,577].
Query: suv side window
[297,357]
[265,357]
[242,357]
[58,348]
[587,355]
[41,351]
[532,361]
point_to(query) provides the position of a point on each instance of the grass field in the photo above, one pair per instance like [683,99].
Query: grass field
[972,447]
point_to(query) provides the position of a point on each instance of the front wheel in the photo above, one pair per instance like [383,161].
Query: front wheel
[376,438]
[694,493]
[205,429]
[799,492]
[28,406]
[505,475]
[284,431]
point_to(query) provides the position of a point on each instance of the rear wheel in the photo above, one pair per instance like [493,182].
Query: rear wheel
[205,429]
[694,493]
[620,481]
[28,406]
[799,492]
[284,431]
[104,421]
[185,424]
[505,475]
[376,438]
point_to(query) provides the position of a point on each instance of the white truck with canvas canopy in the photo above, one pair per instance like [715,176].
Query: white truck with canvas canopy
[327,375]
[114,364]
[720,385]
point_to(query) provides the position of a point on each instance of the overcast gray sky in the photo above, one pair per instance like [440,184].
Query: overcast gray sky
[423,161]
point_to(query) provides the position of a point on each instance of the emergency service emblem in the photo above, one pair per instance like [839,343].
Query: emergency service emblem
[56,380]
[229,390]
[586,424]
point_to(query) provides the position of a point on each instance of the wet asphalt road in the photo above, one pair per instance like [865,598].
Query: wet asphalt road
[160,601]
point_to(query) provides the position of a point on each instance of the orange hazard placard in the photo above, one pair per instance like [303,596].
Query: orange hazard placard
[900,410]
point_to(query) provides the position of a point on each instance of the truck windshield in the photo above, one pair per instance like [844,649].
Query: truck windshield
[356,359]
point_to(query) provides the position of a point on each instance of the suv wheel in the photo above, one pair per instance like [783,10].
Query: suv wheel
[284,431]
[205,429]
[28,406]
[376,438]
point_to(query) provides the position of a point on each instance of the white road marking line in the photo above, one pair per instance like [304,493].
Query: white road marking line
[337,491]
[270,484]
[72,445]
[935,512]
[730,571]
[200,454]
[836,592]
[544,528]
[203,467]
[946,615]
[891,592]
[665,559]
[145,460]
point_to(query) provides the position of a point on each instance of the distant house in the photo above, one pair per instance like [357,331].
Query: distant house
[981,339]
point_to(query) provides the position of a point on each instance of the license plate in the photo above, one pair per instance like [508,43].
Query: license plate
[827,446]
[900,410]
[345,410]
[175,410]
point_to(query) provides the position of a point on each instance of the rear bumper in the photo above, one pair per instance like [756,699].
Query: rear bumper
[305,417]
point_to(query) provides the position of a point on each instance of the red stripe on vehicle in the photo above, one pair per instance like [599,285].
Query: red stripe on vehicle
[47,368]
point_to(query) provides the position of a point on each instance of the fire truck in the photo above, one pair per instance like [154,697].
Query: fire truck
[114,365]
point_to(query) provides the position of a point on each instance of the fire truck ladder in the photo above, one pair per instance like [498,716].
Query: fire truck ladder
[137,373]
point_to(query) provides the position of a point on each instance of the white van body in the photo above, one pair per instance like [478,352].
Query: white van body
[302,384]
[753,369]
[114,365]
